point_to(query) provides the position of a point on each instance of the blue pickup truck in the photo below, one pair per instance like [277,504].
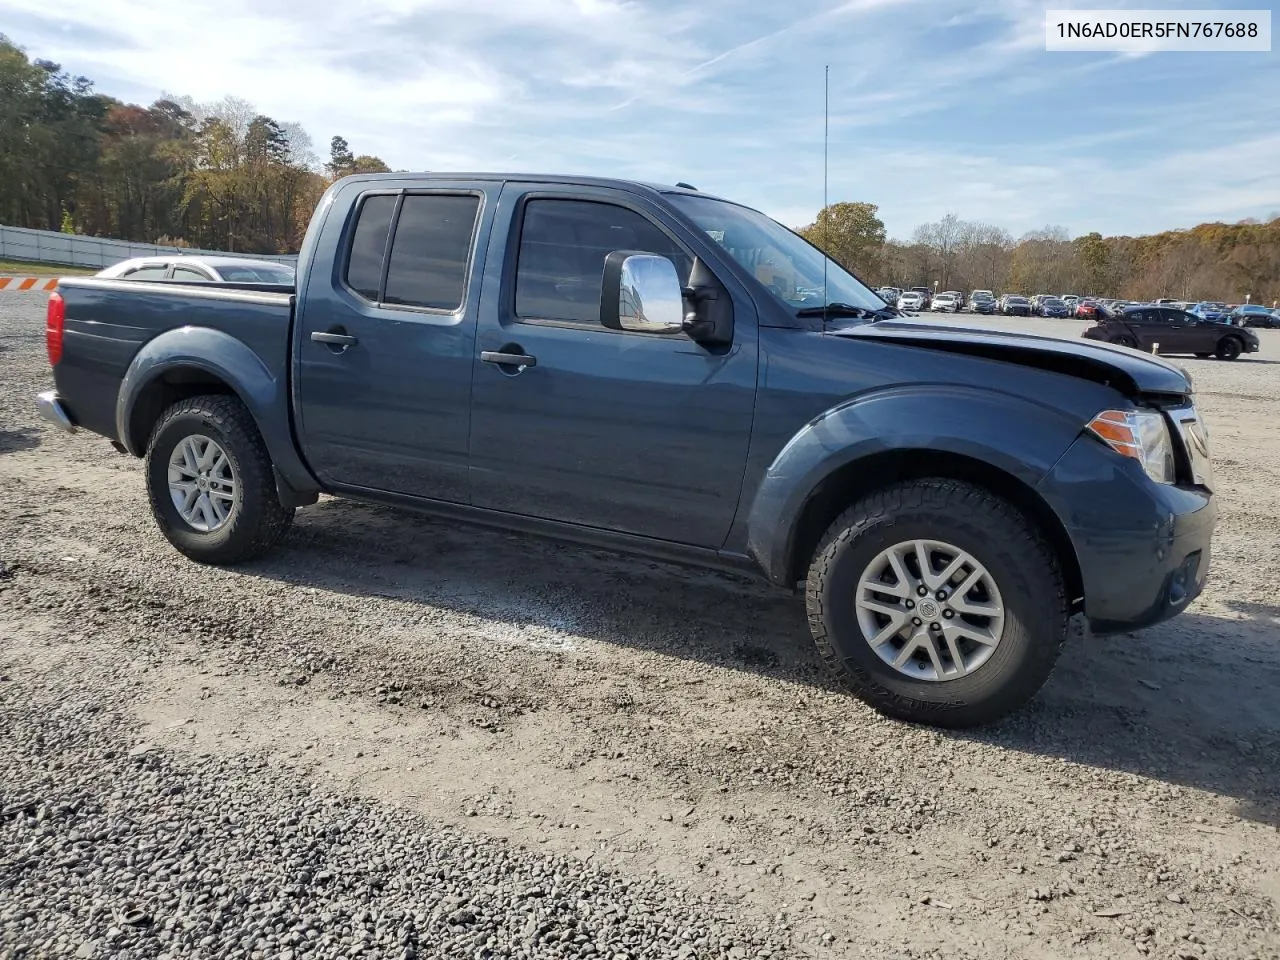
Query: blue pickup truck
[660,371]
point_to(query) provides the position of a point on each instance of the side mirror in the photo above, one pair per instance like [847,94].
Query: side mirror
[641,293]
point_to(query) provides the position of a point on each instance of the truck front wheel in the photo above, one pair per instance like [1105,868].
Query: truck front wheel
[210,482]
[937,602]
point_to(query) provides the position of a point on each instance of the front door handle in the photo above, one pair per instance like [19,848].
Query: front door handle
[508,359]
[334,339]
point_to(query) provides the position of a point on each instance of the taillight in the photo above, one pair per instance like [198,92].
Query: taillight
[55,324]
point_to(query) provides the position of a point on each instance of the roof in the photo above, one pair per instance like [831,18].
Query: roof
[632,186]
[216,261]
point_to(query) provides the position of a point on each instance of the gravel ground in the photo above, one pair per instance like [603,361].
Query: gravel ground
[396,738]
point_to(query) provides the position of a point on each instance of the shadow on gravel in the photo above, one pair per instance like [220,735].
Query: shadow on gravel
[24,438]
[1190,702]
[1262,611]
[548,589]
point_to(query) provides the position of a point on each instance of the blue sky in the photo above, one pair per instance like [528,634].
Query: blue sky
[935,108]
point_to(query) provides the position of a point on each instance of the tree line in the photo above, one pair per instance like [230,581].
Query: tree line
[224,177]
[1212,261]
[219,176]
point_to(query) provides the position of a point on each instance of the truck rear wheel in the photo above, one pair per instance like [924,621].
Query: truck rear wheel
[210,482]
[936,602]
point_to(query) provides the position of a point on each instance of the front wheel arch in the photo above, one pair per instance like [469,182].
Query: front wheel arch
[866,475]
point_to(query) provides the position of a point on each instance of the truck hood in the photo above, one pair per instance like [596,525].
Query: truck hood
[1126,370]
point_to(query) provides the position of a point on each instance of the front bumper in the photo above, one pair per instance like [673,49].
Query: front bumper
[1143,547]
[50,408]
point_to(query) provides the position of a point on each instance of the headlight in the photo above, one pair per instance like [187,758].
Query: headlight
[1140,434]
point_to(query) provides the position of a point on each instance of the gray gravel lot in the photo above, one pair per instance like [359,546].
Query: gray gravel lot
[399,738]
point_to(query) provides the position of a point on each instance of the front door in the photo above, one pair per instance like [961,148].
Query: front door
[387,340]
[1177,331]
[640,433]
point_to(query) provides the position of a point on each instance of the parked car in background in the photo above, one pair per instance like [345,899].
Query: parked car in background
[1016,306]
[201,269]
[911,300]
[1208,310]
[960,299]
[1167,331]
[1164,302]
[926,296]
[1254,315]
[1054,307]
[986,294]
[1116,307]
[945,303]
[1088,310]
[889,295]
[983,302]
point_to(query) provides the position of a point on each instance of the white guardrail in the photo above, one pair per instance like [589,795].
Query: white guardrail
[73,250]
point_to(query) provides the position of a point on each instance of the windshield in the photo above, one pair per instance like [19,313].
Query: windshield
[788,265]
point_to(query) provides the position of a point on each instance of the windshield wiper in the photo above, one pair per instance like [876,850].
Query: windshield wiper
[849,310]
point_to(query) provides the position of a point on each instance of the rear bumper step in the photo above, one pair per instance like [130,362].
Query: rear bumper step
[51,409]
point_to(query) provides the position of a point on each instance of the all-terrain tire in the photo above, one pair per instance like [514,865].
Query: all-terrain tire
[999,537]
[257,520]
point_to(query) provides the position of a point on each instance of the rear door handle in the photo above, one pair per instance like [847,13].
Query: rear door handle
[334,339]
[508,359]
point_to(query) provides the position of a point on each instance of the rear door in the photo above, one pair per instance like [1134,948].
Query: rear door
[1142,324]
[640,433]
[387,334]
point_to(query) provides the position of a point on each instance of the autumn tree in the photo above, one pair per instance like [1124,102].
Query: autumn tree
[851,234]
[343,164]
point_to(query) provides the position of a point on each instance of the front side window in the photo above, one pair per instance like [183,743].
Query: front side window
[431,250]
[563,245]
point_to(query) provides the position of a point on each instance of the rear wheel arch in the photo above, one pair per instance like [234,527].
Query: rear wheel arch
[849,483]
[169,386]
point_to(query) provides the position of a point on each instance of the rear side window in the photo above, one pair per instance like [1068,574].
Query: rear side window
[430,252]
[563,245]
[364,265]
[155,272]
[186,273]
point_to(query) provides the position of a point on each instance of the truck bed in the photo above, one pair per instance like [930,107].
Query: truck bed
[109,322]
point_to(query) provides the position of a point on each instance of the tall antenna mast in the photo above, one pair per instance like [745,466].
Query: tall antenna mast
[826,114]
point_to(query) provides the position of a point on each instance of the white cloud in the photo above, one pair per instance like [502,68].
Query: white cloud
[928,98]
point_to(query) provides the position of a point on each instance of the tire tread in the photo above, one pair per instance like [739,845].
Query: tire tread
[273,519]
[938,493]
